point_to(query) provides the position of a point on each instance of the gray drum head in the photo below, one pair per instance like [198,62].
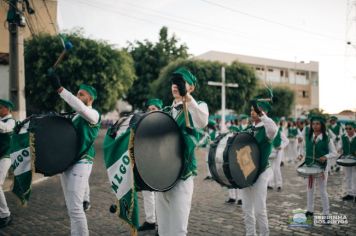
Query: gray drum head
[346,161]
[305,171]
[243,160]
[158,151]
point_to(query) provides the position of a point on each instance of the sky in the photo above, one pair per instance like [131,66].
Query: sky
[292,30]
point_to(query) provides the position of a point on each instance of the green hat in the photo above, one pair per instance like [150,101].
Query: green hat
[243,117]
[351,123]
[319,118]
[187,75]
[154,102]
[211,122]
[90,89]
[7,104]
[333,118]
[265,106]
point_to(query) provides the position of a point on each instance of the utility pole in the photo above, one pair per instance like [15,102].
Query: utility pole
[223,86]
[15,20]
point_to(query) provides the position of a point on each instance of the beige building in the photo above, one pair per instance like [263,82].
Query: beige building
[302,78]
[44,20]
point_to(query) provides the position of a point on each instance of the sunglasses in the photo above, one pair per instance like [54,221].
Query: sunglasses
[349,128]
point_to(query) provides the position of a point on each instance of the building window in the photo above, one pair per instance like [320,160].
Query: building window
[305,94]
[282,73]
[270,70]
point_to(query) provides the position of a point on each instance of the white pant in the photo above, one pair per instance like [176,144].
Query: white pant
[276,178]
[149,206]
[207,162]
[74,182]
[5,164]
[234,193]
[322,182]
[173,208]
[254,205]
[291,151]
[350,180]
[87,192]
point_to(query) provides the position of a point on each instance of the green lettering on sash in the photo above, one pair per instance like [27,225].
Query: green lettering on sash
[122,169]
[126,160]
[114,187]
[118,179]
[25,153]
[19,158]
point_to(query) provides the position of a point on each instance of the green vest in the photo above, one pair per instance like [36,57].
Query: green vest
[190,140]
[348,148]
[265,146]
[234,128]
[315,151]
[212,135]
[277,141]
[336,129]
[87,134]
[292,132]
[5,139]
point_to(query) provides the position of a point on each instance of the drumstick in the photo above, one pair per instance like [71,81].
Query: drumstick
[185,110]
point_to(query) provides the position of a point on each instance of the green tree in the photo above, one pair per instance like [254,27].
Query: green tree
[211,71]
[91,62]
[149,59]
[284,100]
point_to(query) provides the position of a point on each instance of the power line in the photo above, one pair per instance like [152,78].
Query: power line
[291,27]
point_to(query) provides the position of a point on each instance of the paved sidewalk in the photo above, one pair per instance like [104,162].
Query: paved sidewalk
[46,213]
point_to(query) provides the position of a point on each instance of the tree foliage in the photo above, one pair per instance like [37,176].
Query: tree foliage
[91,62]
[149,59]
[236,98]
[284,100]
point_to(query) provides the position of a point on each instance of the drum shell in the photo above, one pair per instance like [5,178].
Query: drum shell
[158,142]
[347,161]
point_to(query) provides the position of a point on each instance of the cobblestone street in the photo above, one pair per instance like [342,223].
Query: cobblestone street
[46,212]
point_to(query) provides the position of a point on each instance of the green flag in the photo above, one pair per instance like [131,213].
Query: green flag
[119,165]
[21,162]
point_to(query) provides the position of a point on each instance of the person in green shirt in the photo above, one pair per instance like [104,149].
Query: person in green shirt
[173,206]
[7,124]
[348,147]
[75,179]
[336,131]
[319,148]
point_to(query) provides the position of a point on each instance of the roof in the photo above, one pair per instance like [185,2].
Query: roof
[230,57]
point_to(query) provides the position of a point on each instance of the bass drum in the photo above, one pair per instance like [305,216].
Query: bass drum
[55,143]
[234,160]
[158,150]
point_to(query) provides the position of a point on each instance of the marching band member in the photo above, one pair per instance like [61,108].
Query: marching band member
[336,131]
[173,206]
[87,124]
[7,124]
[348,147]
[277,154]
[318,149]
[254,197]
[153,104]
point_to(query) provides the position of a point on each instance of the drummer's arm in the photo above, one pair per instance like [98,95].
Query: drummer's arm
[199,112]
[7,127]
[285,141]
[270,126]
[89,114]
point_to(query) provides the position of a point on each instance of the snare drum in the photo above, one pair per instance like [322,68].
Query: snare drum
[306,171]
[234,160]
[348,160]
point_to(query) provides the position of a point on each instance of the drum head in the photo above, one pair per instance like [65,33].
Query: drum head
[158,151]
[242,158]
[346,161]
[56,144]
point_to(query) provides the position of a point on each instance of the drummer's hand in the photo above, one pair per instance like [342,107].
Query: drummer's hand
[180,82]
[322,159]
[300,157]
[300,140]
[54,78]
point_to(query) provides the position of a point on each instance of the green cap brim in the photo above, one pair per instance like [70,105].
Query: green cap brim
[90,89]
[7,104]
